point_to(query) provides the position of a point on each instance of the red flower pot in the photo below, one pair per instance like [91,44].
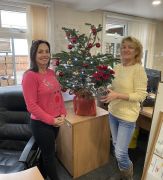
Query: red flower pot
[84,106]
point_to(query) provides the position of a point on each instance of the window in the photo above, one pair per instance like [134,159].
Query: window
[5,46]
[13,45]
[11,19]
[112,29]
[24,47]
[115,30]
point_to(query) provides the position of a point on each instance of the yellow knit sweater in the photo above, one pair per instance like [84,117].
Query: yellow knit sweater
[131,80]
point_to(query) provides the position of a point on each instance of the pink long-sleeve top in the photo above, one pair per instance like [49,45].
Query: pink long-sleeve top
[43,97]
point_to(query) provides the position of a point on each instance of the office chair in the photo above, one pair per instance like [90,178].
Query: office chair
[18,150]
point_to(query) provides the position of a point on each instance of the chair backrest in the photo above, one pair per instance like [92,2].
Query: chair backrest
[14,119]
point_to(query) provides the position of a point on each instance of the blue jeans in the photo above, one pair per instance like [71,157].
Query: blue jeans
[122,132]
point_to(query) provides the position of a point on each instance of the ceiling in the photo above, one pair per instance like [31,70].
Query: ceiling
[142,8]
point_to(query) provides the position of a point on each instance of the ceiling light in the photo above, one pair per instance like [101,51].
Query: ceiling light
[156,2]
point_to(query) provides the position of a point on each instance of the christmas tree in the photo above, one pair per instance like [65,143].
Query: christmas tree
[79,70]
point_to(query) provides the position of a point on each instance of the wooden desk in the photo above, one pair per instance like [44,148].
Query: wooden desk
[83,141]
[29,174]
[145,118]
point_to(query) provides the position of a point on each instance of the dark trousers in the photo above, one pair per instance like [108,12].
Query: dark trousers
[45,136]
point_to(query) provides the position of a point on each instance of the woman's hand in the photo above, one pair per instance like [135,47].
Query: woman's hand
[110,96]
[59,121]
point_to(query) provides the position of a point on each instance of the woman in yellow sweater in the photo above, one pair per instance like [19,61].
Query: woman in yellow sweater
[124,98]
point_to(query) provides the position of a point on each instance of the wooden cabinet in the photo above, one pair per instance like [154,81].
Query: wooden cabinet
[83,142]
[145,118]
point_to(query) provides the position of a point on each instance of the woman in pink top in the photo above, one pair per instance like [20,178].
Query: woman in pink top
[42,93]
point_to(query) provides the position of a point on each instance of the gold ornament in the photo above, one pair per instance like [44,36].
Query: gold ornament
[76,73]
[69,62]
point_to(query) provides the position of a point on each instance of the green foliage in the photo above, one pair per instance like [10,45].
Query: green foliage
[78,69]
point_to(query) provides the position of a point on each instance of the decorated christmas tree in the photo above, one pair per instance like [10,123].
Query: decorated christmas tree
[80,71]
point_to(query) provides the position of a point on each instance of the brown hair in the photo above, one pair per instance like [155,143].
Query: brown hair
[138,47]
[33,51]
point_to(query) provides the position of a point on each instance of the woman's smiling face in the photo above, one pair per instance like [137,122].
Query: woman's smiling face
[128,52]
[42,55]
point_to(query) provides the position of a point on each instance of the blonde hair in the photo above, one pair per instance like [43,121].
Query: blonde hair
[138,47]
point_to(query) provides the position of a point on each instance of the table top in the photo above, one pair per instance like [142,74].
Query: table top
[74,119]
[147,111]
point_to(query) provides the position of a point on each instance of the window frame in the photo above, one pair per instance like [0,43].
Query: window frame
[14,33]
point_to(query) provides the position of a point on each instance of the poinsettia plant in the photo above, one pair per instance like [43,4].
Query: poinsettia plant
[78,68]
[103,76]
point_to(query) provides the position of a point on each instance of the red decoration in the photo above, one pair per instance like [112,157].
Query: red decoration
[84,106]
[57,99]
[74,40]
[61,74]
[103,73]
[98,45]
[57,62]
[102,67]
[70,46]
[112,72]
[94,31]
[90,45]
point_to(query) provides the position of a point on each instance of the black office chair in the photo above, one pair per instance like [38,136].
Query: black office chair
[18,150]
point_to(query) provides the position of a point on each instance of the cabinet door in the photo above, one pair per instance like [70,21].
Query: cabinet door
[91,145]
[64,146]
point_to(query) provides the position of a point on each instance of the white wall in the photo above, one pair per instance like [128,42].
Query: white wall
[65,16]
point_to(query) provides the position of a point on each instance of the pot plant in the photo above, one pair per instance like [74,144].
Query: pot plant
[81,72]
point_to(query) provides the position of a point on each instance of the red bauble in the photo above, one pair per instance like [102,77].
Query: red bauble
[112,72]
[70,46]
[61,74]
[57,62]
[90,45]
[98,45]
[73,40]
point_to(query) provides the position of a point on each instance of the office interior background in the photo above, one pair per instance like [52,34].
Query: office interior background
[22,21]
[41,19]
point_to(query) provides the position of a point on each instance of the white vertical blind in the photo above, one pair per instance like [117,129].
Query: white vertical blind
[145,32]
